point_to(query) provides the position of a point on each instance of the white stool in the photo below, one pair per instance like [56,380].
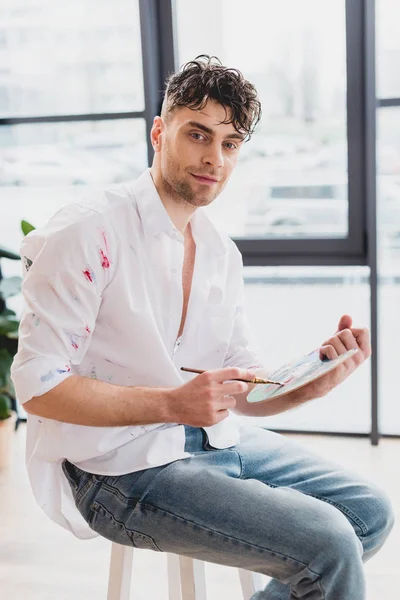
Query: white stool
[186,577]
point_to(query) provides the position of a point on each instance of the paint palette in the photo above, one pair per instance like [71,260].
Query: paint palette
[296,374]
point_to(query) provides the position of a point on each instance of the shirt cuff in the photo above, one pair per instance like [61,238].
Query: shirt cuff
[38,376]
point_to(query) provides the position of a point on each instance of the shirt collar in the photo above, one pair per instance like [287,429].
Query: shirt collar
[155,218]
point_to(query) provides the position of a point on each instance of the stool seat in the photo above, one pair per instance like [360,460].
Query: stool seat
[186,576]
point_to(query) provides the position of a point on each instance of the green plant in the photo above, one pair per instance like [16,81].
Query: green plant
[5,407]
[9,286]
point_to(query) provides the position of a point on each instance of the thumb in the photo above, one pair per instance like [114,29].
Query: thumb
[345,322]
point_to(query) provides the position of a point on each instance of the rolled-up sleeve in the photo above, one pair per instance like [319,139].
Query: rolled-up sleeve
[66,269]
[241,352]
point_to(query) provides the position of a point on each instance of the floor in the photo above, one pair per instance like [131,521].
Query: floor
[40,561]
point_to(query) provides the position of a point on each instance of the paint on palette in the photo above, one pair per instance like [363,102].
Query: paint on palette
[93,373]
[35,319]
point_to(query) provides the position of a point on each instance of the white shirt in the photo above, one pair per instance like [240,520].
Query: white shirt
[103,299]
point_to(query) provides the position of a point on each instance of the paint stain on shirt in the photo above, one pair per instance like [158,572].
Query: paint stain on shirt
[51,374]
[75,339]
[105,263]
[89,275]
[27,263]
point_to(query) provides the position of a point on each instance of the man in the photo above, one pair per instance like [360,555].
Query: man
[121,291]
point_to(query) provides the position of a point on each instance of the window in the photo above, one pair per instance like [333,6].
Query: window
[388,48]
[290,312]
[300,151]
[66,57]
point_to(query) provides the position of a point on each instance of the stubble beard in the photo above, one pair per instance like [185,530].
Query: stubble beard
[180,189]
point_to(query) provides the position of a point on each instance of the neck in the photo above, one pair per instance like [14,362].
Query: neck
[180,212]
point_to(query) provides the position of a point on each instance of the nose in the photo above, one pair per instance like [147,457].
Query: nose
[214,156]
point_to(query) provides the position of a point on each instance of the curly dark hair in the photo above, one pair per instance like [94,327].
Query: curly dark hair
[205,78]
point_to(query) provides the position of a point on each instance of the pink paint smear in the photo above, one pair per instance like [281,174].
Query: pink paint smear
[105,263]
[88,274]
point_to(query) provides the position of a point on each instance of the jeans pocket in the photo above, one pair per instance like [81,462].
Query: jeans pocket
[106,525]
[75,476]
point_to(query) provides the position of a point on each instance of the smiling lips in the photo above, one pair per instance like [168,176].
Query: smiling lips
[206,179]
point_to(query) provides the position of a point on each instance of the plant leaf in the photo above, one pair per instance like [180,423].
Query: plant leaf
[13,335]
[5,253]
[8,326]
[5,366]
[26,227]
[10,286]
[7,312]
[5,407]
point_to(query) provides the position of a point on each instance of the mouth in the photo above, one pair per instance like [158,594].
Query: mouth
[205,179]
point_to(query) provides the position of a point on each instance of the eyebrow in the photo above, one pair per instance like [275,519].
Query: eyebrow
[236,136]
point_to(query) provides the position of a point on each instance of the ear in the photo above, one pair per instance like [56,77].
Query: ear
[155,134]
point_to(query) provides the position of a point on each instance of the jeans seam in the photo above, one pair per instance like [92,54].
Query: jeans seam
[130,532]
[346,511]
[127,500]
[241,460]
[80,495]
[153,508]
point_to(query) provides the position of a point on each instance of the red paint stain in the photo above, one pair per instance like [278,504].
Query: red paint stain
[68,368]
[105,263]
[88,275]
[87,329]
[103,235]
[74,345]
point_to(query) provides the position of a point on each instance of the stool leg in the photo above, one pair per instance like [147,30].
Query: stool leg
[251,583]
[193,578]
[119,582]
[174,577]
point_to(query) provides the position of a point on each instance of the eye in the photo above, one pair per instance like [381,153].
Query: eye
[197,136]
[230,146]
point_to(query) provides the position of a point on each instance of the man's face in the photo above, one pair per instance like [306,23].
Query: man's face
[197,152]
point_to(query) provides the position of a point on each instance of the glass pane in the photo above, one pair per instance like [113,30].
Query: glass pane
[387,48]
[81,56]
[45,166]
[291,180]
[292,311]
[388,222]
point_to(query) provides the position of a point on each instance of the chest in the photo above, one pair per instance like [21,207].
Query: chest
[187,277]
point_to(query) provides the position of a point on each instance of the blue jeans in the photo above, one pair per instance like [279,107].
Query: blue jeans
[267,505]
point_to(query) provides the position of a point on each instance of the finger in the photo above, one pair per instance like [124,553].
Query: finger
[363,339]
[347,338]
[345,322]
[337,343]
[234,387]
[227,402]
[327,351]
[221,415]
[230,373]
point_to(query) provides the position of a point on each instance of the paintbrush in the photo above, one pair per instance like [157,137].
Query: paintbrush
[255,380]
